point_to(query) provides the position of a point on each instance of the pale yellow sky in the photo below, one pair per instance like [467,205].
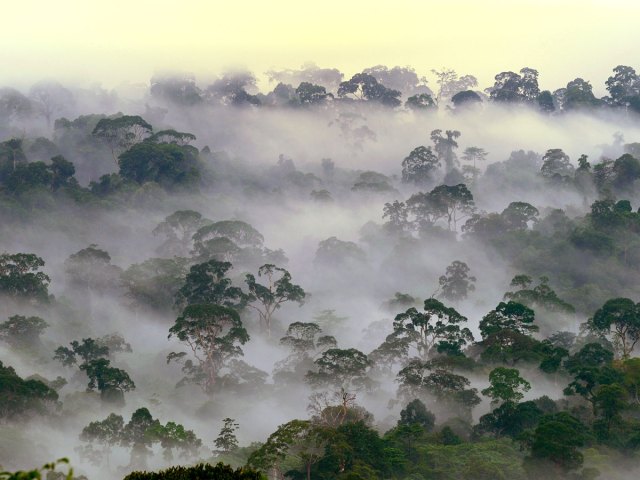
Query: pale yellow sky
[117,40]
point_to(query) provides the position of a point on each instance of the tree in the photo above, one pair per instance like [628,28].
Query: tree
[172,136]
[556,166]
[542,295]
[518,215]
[333,252]
[14,105]
[439,327]
[418,167]
[266,299]
[298,438]
[473,155]
[445,146]
[590,367]
[557,439]
[465,99]
[107,433]
[137,435]
[214,334]
[111,382]
[623,316]
[91,270]
[510,419]
[231,89]
[178,230]
[511,87]
[310,94]
[20,277]
[207,283]
[341,368]
[416,413]
[506,386]
[456,283]
[174,436]
[177,89]
[455,202]
[122,133]
[21,398]
[201,470]
[37,474]
[546,102]
[49,98]
[301,337]
[623,85]
[449,84]
[155,282]
[448,389]
[167,164]
[397,214]
[420,102]
[22,332]
[365,87]
[86,351]
[61,173]
[512,316]
[227,441]
[579,95]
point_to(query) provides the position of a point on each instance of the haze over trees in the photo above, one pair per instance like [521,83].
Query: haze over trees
[325,276]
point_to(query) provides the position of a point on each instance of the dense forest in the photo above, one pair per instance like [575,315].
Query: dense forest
[386,276]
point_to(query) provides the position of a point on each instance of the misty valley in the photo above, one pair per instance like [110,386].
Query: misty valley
[311,275]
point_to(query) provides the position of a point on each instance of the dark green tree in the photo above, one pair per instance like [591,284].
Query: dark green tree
[227,441]
[456,283]
[266,299]
[23,333]
[207,283]
[122,133]
[214,334]
[506,386]
[619,318]
[419,166]
[508,316]
[21,279]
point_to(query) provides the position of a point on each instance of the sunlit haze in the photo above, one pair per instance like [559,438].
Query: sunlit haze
[121,40]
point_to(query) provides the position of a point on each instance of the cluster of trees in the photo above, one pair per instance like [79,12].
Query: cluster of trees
[461,368]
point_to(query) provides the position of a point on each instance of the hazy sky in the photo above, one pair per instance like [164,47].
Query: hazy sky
[116,40]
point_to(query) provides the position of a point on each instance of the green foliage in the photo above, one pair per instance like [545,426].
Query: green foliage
[508,316]
[506,385]
[20,277]
[22,332]
[623,316]
[365,87]
[22,398]
[419,166]
[227,441]
[439,327]
[341,368]
[556,439]
[122,132]
[214,334]
[416,413]
[201,471]
[37,474]
[167,164]
[155,282]
[279,289]
[207,283]
[456,284]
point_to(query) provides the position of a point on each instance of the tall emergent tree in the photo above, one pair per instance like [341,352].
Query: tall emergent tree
[214,334]
[266,299]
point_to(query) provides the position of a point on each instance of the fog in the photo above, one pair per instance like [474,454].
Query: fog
[261,166]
